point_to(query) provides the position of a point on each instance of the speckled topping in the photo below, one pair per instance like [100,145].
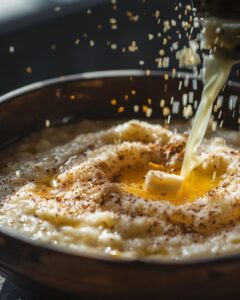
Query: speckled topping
[62,186]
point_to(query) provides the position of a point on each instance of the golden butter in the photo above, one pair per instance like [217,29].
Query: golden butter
[197,184]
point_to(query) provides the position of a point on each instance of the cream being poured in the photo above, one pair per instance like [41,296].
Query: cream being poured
[221,38]
[216,73]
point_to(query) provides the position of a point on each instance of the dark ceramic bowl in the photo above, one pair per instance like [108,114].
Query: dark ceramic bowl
[48,268]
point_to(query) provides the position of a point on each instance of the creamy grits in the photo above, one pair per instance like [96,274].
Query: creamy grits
[82,187]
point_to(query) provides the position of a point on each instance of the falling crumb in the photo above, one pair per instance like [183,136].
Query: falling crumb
[166,111]
[165,63]
[121,109]
[175,45]
[166,76]
[145,108]
[132,17]
[149,112]
[29,70]
[159,62]
[194,84]
[188,58]
[72,97]
[166,26]
[113,23]
[136,108]
[175,107]
[161,52]
[11,49]
[150,36]
[114,101]
[184,99]
[157,14]
[162,103]
[232,102]
[187,111]
[174,72]
[113,46]
[190,97]
[47,123]
[133,47]
[169,119]
[148,72]
[133,92]
[173,23]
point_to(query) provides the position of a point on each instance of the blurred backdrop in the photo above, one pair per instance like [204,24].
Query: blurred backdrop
[41,39]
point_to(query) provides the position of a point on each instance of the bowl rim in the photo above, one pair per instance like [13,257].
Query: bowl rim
[91,76]
[94,255]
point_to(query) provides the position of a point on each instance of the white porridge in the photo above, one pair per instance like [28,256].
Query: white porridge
[82,187]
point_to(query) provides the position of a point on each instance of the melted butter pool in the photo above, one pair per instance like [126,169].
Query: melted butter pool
[197,184]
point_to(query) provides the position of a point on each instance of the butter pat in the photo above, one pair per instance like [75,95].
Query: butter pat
[161,182]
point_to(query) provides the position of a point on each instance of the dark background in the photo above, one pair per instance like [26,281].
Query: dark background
[42,41]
